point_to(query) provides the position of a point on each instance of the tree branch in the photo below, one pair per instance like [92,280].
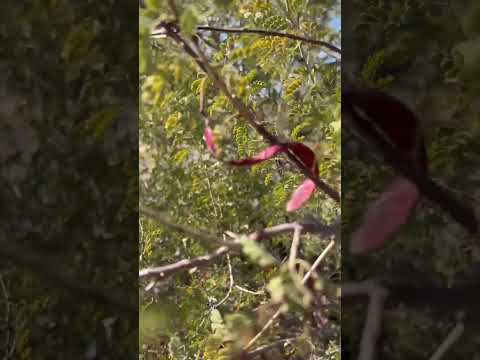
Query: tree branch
[271,33]
[262,349]
[163,272]
[171,269]
[373,324]
[451,339]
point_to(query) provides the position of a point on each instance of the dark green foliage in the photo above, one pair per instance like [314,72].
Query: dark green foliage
[68,187]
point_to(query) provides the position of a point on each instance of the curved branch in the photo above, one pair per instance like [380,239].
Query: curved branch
[271,33]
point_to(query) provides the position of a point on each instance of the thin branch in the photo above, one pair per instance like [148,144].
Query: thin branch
[162,272]
[208,42]
[259,292]
[271,33]
[318,261]
[262,349]
[310,227]
[357,288]
[294,247]
[373,324]
[230,286]
[267,326]
[451,339]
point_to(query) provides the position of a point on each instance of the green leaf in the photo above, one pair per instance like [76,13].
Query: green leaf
[336,126]
[146,24]
[181,156]
[276,289]
[470,50]
[223,3]
[256,252]
[153,5]
[216,317]
[102,120]
[189,21]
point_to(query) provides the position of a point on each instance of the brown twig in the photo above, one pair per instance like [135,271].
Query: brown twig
[297,230]
[311,227]
[318,261]
[451,339]
[162,272]
[262,349]
[271,33]
[373,324]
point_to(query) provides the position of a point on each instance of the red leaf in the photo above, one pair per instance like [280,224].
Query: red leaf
[305,155]
[301,195]
[210,140]
[396,121]
[266,154]
[385,216]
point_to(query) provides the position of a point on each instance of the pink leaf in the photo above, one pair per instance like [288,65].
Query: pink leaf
[210,140]
[266,154]
[385,216]
[301,195]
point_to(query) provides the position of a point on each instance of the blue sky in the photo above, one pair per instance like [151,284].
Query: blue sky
[336,23]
